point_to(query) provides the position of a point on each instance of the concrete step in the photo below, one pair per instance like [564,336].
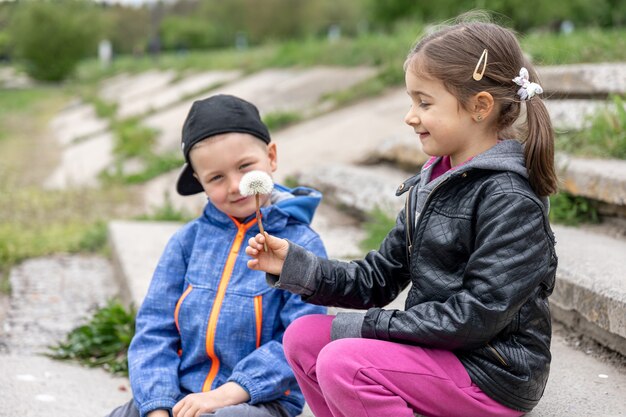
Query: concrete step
[590,293]
[136,247]
[273,90]
[599,179]
[151,100]
[584,80]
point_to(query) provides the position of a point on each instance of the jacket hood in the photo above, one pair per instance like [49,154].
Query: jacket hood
[506,156]
[297,204]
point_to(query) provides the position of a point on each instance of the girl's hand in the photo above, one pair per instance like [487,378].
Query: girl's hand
[193,405]
[271,261]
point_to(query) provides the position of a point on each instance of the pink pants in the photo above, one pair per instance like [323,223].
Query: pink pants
[375,378]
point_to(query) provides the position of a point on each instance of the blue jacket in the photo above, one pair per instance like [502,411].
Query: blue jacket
[208,319]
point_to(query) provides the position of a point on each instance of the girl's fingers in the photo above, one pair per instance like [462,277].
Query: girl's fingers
[253,263]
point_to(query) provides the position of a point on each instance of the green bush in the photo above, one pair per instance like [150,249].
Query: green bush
[189,33]
[103,341]
[50,38]
[572,210]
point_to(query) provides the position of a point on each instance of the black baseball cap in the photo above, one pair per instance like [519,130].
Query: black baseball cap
[212,116]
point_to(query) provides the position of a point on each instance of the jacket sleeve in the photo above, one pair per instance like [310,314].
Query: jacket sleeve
[374,281]
[512,256]
[153,354]
[265,373]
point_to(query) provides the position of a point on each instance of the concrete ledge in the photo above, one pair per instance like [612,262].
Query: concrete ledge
[136,248]
[590,293]
[600,179]
[357,189]
[584,79]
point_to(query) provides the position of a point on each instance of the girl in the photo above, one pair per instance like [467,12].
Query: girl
[473,242]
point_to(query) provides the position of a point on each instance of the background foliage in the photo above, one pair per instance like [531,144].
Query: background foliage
[49,37]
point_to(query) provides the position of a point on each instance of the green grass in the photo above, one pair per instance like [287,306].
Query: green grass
[102,341]
[375,49]
[584,45]
[36,222]
[377,225]
[17,101]
[132,139]
[604,138]
[167,213]
[279,120]
[572,210]
[384,50]
[155,165]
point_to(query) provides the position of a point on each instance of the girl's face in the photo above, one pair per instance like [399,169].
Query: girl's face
[443,125]
[220,162]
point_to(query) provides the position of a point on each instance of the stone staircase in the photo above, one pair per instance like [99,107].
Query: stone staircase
[357,156]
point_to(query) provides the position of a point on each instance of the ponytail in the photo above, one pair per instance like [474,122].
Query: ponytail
[539,148]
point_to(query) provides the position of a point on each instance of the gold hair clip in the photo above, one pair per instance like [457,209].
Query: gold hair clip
[483,58]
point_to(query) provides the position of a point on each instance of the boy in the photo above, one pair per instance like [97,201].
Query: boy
[209,331]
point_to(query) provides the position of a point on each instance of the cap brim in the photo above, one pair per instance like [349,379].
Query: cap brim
[187,184]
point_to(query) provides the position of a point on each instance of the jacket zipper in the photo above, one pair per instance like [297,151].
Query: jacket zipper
[258,314]
[497,354]
[219,298]
[407,206]
[426,204]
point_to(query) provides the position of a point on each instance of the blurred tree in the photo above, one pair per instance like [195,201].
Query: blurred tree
[522,14]
[52,37]
[210,23]
[127,28]
[5,50]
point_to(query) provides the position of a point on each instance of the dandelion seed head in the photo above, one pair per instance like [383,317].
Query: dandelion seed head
[256,182]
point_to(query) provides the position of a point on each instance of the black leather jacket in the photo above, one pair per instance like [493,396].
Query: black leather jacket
[481,266]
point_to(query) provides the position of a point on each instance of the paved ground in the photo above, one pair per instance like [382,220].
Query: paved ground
[582,383]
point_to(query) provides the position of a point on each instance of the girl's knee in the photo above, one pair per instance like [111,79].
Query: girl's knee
[336,362]
[306,333]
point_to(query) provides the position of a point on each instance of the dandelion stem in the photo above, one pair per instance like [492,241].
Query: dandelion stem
[258,219]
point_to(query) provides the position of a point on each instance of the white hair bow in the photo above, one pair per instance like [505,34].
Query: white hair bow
[527,89]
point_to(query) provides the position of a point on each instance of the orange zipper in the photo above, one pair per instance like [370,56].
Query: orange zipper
[219,298]
[258,313]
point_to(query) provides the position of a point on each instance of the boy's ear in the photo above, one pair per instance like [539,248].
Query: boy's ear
[272,154]
[482,105]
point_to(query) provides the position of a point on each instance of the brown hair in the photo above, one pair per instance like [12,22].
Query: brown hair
[450,54]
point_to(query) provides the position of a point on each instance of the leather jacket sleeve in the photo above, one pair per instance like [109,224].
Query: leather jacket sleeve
[373,281]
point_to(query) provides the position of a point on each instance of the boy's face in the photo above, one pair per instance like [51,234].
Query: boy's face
[220,162]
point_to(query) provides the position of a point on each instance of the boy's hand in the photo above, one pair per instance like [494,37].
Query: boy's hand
[159,413]
[193,405]
[271,261]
